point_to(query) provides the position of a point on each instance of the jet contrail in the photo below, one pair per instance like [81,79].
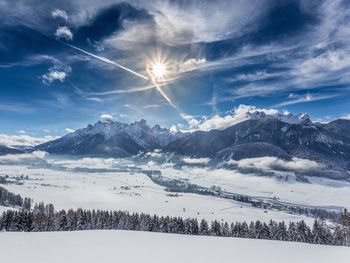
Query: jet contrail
[106,60]
[156,85]
[158,88]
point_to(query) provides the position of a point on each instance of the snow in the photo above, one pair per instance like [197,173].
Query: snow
[131,246]
[99,185]
[95,190]
[4,208]
[243,113]
[321,192]
[139,131]
[196,160]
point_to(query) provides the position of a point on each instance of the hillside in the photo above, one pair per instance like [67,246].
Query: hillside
[130,246]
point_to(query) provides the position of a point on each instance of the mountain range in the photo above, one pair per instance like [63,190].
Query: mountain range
[112,139]
[258,134]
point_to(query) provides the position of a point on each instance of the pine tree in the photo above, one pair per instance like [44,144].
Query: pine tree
[204,228]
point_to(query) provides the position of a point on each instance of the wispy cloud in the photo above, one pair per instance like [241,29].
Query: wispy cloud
[23,140]
[69,130]
[16,107]
[273,163]
[59,13]
[305,98]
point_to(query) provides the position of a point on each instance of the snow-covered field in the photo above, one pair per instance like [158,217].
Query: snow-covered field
[53,179]
[130,246]
[67,189]
[319,192]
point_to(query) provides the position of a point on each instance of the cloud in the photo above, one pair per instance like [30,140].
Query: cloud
[239,114]
[346,117]
[191,64]
[16,107]
[56,73]
[325,62]
[152,106]
[23,140]
[132,36]
[196,160]
[106,117]
[69,130]
[25,158]
[63,32]
[273,163]
[22,131]
[306,98]
[172,23]
[196,21]
[59,13]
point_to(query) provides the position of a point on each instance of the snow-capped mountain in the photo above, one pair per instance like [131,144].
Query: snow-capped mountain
[262,134]
[112,138]
[243,113]
[270,136]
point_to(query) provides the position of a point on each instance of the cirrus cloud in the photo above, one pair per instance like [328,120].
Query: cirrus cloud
[59,13]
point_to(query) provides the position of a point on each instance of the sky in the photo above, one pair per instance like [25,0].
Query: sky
[62,63]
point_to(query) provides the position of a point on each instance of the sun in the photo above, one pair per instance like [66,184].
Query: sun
[158,70]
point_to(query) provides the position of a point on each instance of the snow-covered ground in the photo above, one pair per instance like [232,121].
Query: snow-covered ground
[68,189]
[130,246]
[319,192]
[53,179]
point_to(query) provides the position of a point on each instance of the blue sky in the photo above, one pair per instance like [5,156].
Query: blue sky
[287,55]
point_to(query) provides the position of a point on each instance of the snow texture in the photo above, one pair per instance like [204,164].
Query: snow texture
[130,246]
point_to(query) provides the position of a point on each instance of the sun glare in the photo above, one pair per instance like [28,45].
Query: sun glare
[158,70]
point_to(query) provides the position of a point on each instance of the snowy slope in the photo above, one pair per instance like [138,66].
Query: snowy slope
[130,246]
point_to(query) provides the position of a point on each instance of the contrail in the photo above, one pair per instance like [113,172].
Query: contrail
[106,60]
[158,88]
[156,85]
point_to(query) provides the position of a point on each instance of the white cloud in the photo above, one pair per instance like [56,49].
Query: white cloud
[173,129]
[56,73]
[196,21]
[328,61]
[273,163]
[64,32]
[23,140]
[196,160]
[132,37]
[23,158]
[295,99]
[152,106]
[192,22]
[239,114]
[69,130]
[191,64]
[59,13]
[346,117]
[155,154]
[106,117]
[22,131]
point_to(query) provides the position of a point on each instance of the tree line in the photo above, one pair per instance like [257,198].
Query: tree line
[179,186]
[43,219]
